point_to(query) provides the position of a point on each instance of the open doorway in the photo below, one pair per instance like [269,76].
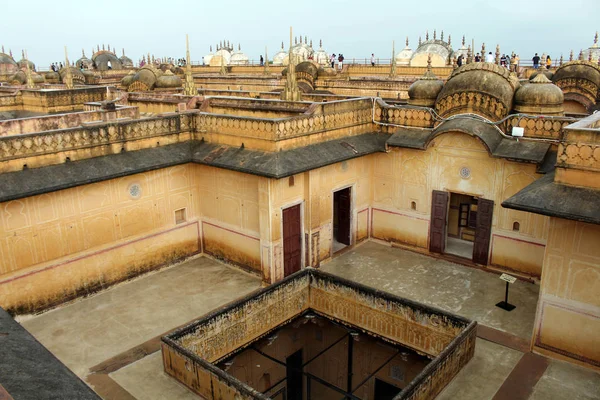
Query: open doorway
[462,222]
[342,213]
[461,225]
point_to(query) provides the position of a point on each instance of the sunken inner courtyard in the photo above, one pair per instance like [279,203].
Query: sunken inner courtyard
[315,335]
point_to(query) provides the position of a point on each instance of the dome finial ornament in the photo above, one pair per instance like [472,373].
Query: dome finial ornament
[427,35]
[419,40]
[596,40]
[428,62]
[483,52]
[434,34]
[210,47]
[407,41]
[282,45]
[463,41]
[561,60]
[581,55]
[442,36]
[449,39]
[469,55]
[498,54]
[103,46]
[68,76]
[571,55]
[305,39]
[320,43]
[3,48]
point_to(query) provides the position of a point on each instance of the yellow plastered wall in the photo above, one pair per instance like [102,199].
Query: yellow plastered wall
[568,315]
[71,242]
[405,177]
[228,203]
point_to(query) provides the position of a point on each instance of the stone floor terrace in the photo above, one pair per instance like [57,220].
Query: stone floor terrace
[112,339]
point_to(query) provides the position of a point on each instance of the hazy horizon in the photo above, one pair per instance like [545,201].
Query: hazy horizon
[348,27]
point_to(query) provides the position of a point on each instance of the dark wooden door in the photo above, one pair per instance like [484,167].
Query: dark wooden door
[294,377]
[483,231]
[343,212]
[437,226]
[292,240]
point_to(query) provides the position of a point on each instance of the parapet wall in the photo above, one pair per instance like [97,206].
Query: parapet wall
[191,352]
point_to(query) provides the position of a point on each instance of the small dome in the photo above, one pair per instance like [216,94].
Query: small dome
[208,57]
[425,91]
[540,96]
[484,88]
[78,77]
[239,58]
[102,57]
[280,56]
[7,65]
[321,56]
[127,79]
[20,78]
[52,77]
[144,79]
[403,58]
[126,62]
[168,80]
[22,63]
[90,77]
[544,71]
[87,63]
[221,55]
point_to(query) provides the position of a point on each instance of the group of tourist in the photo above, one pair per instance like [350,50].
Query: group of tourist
[339,60]
[509,62]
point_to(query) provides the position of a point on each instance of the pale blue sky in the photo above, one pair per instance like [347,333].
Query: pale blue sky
[353,27]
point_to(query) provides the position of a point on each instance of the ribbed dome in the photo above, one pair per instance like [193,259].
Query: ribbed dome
[78,77]
[279,56]
[86,61]
[208,57]
[321,56]
[483,88]
[22,63]
[220,55]
[7,64]
[147,75]
[128,79]
[403,58]
[439,50]
[540,96]
[102,57]
[20,78]
[126,61]
[168,80]
[580,82]
[90,77]
[425,91]
[239,58]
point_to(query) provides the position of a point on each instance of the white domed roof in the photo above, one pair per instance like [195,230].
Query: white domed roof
[439,50]
[279,56]
[225,54]
[239,58]
[208,57]
[321,56]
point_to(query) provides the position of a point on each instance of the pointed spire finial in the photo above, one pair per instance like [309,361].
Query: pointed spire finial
[239,47]
[498,54]
[427,34]
[581,55]
[266,71]
[310,44]
[596,38]
[68,76]
[295,40]
[210,47]
[320,43]
[123,51]
[282,45]
[393,66]
[442,36]
[561,60]
[419,40]
[434,34]
[102,46]
[407,41]
[305,39]
[463,41]
[3,48]
[189,87]
[290,91]
[571,55]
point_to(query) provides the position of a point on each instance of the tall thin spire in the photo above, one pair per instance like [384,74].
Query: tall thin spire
[498,54]
[189,87]
[266,61]
[291,91]
[571,55]
[393,66]
[68,76]
[449,39]
[30,84]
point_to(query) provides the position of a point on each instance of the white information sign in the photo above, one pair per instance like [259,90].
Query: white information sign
[508,278]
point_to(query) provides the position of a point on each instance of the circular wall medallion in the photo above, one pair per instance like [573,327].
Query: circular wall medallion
[465,172]
[135,190]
